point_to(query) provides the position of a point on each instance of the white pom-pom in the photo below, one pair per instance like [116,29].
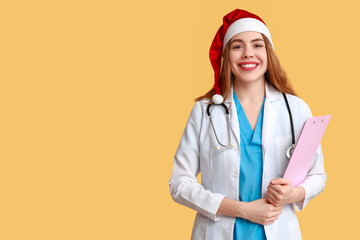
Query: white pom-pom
[217,99]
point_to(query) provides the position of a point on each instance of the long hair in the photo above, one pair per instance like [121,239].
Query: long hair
[274,75]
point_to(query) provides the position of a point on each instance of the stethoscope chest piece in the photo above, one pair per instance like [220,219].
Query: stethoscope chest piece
[290,151]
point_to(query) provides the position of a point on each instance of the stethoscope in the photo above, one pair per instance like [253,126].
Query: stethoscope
[289,151]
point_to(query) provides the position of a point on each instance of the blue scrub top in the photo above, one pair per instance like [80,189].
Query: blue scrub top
[251,169]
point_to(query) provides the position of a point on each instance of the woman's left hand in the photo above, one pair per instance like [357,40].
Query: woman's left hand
[280,192]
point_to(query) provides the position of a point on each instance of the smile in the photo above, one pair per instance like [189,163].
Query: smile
[248,67]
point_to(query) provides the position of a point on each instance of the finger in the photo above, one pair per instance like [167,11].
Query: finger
[270,220]
[274,181]
[280,181]
[271,201]
[273,219]
[276,207]
[276,213]
[274,194]
[279,207]
[268,200]
[278,188]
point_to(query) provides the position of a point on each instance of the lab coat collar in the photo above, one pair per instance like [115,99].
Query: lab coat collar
[270,113]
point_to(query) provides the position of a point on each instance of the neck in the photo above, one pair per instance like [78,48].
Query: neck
[249,92]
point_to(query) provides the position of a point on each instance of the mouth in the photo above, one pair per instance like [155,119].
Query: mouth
[248,66]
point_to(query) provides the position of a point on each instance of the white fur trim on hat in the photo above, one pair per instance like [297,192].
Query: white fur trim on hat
[244,25]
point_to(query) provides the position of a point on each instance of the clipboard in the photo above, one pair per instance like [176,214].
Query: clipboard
[305,149]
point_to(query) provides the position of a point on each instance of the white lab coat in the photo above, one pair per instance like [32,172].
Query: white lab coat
[220,168]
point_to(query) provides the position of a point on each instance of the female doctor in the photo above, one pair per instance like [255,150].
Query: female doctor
[238,135]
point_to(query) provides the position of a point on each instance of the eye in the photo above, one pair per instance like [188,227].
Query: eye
[258,45]
[236,47]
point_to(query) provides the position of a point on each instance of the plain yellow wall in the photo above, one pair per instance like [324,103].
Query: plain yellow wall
[95,96]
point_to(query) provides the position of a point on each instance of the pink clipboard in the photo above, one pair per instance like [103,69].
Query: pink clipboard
[305,149]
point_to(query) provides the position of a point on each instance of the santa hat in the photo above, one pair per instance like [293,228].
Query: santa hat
[234,23]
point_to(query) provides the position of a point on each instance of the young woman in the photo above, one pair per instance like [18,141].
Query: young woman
[242,155]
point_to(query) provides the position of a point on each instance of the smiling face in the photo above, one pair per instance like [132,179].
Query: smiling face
[247,57]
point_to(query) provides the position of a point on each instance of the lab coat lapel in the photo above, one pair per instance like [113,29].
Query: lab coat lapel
[233,116]
[271,110]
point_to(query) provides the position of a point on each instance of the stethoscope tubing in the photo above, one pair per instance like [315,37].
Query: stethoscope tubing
[228,124]
[289,151]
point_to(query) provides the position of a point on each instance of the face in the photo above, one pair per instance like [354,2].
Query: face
[248,58]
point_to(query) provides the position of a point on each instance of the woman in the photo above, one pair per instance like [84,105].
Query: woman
[242,194]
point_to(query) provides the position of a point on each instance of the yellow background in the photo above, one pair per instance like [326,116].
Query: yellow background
[95,96]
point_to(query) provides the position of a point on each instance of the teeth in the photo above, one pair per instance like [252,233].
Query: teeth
[248,65]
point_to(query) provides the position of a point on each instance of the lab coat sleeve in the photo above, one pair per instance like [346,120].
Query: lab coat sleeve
[184,186]
[315,179]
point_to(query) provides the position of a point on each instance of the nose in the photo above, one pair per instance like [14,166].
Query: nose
[247,53]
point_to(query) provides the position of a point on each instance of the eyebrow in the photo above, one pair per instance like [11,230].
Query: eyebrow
[239,40]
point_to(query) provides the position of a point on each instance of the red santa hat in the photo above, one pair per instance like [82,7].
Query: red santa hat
[234,23]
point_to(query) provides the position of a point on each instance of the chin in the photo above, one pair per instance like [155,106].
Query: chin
[248,80]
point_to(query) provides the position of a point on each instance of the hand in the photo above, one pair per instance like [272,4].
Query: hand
[280,192]
[261,212]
